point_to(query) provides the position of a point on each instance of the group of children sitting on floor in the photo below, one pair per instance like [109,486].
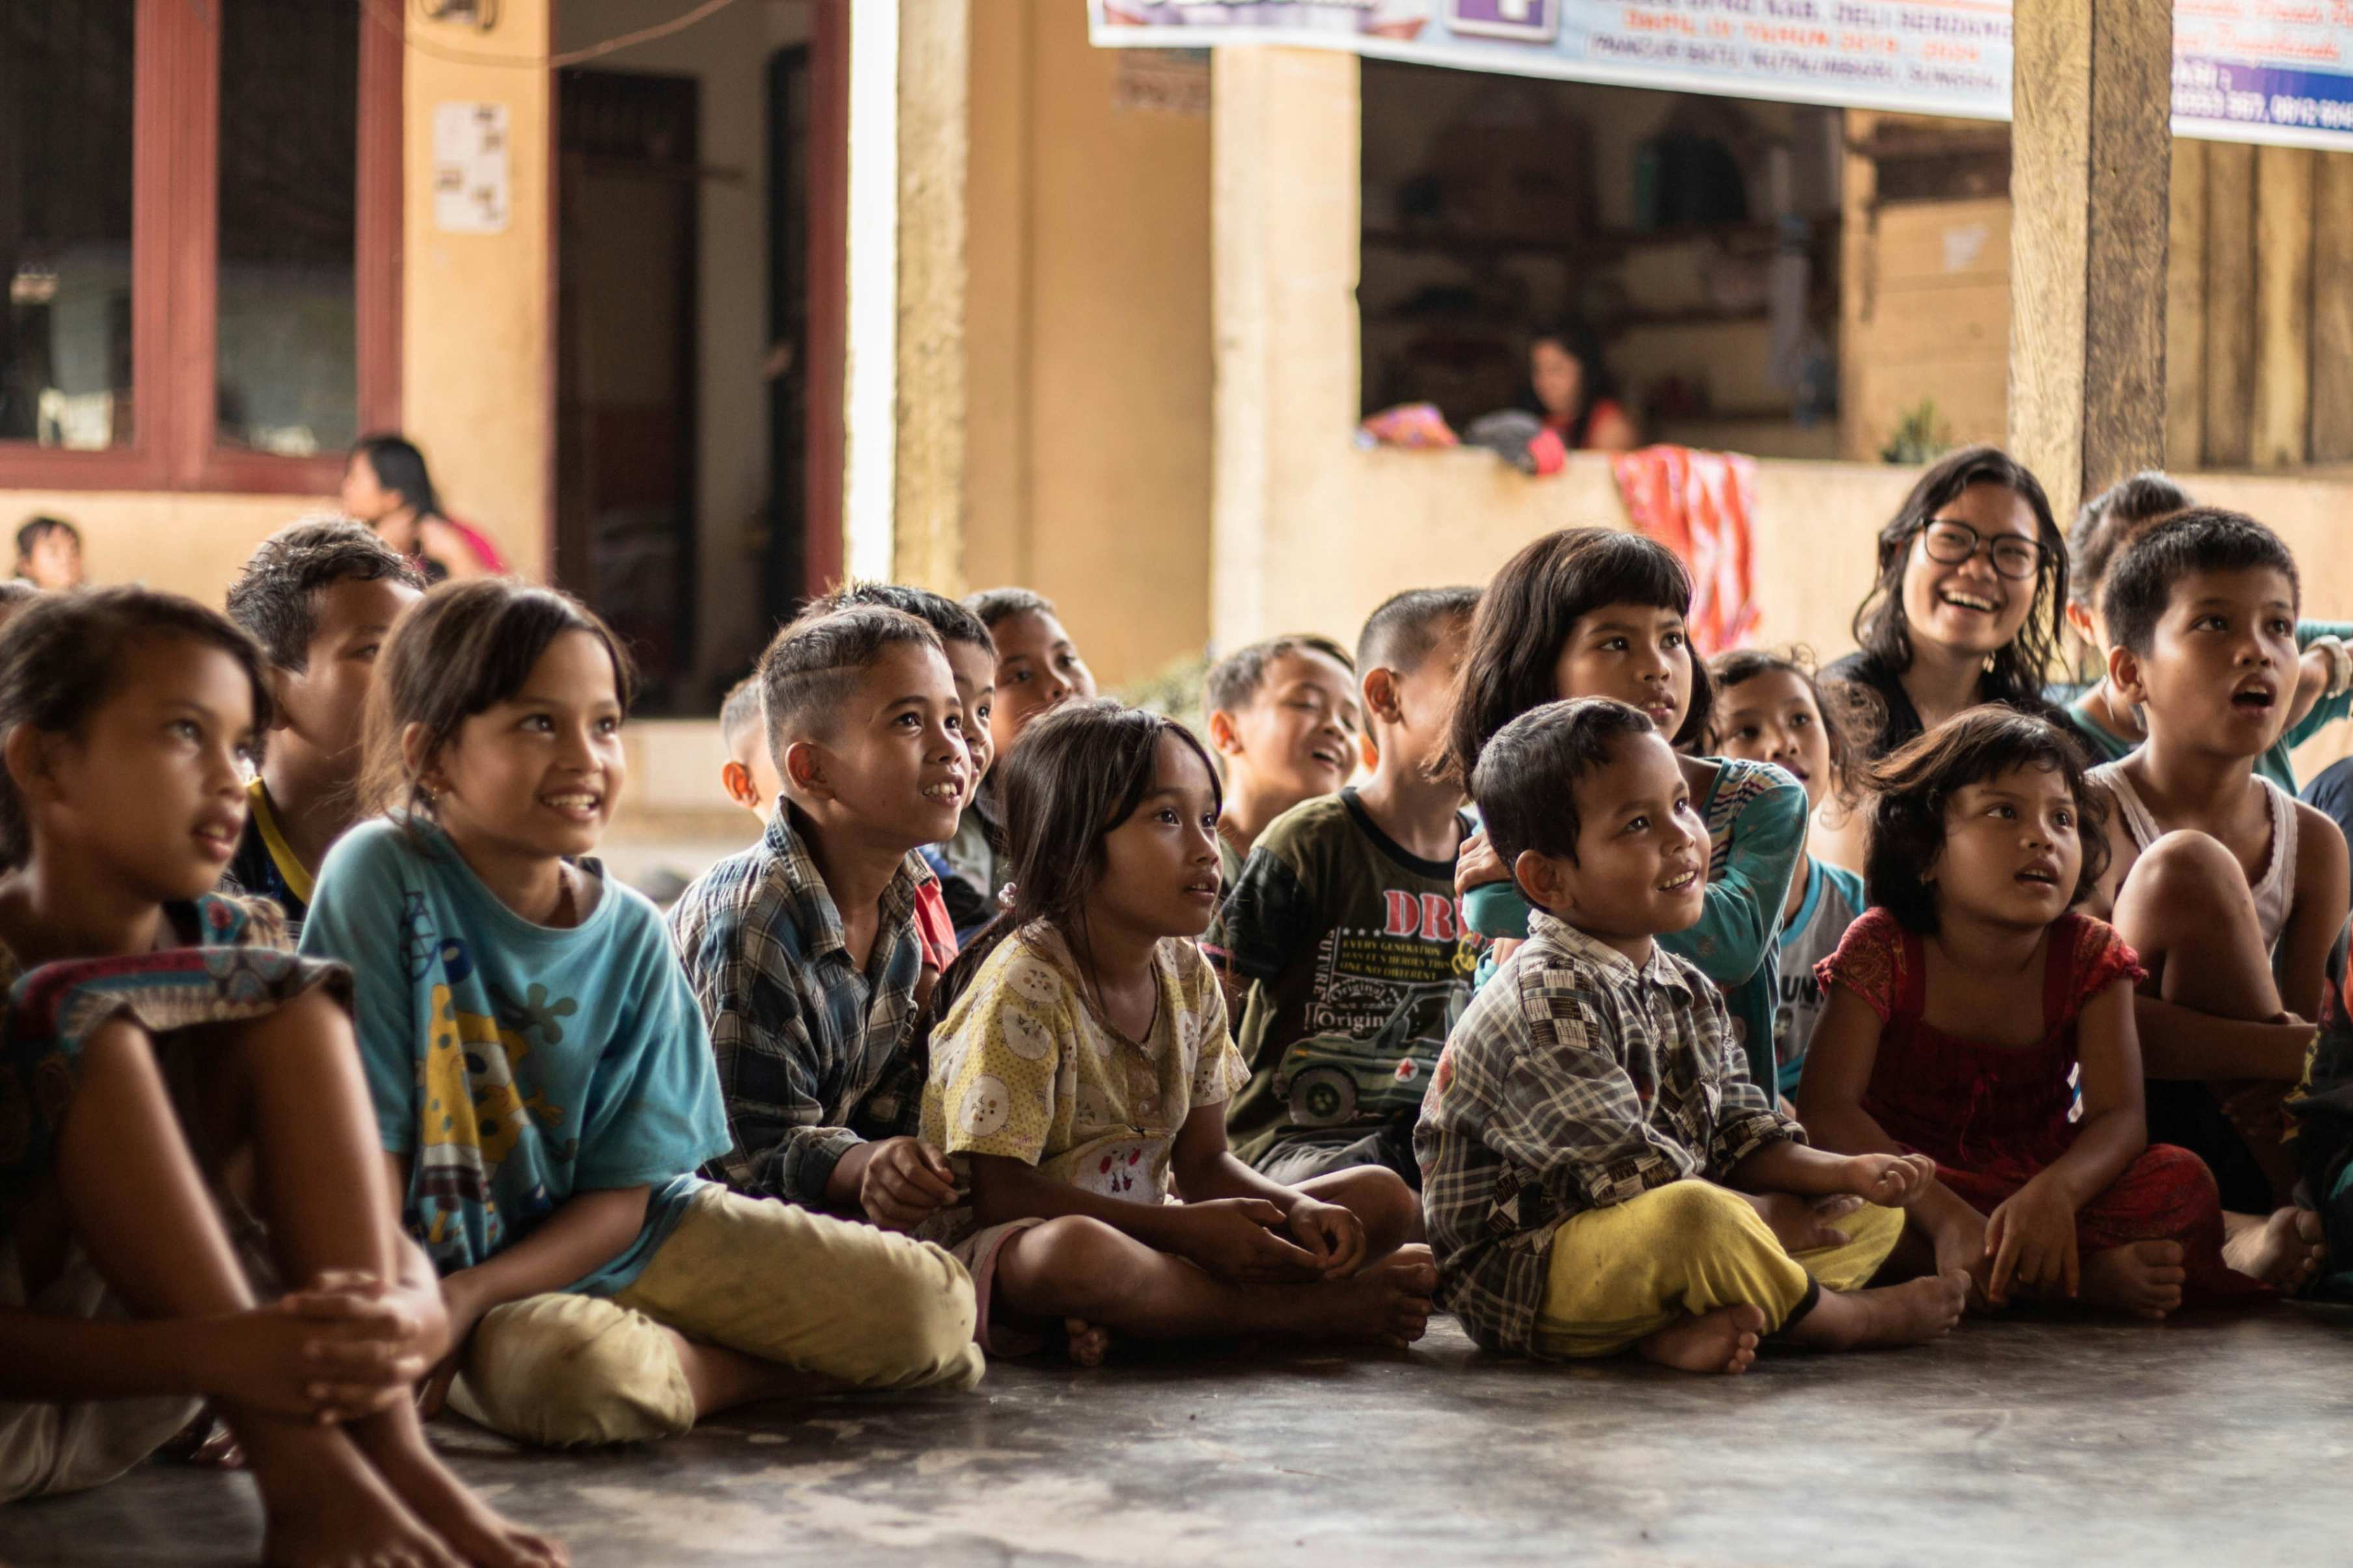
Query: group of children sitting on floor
[1033,1019]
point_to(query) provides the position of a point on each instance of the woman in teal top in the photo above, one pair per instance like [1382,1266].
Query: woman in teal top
[2108,525]
[1594,612]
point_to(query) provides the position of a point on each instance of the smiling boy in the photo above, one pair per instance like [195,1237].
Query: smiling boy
[1283,718]
[803,949]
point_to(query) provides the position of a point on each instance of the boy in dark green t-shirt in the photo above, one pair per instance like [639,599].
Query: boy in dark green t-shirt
[1340,943]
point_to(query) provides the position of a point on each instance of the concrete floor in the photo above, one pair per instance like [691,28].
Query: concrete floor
[2209,1440]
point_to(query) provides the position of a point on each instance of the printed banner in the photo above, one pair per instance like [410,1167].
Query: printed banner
[2244,71]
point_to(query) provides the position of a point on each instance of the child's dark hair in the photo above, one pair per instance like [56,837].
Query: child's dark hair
[1527,613]
[1402,632]
[1911,788]
[740,713]
[15,591]
[995,605]
[275,598]
[61,660]
[817,662]
[1080,770]
[2018,671]
[1526,780]
[460,650]
[1234,681]
[1852,714]
[950,621]
[2203,538]
[399,468]
[2109,521]
[35,530]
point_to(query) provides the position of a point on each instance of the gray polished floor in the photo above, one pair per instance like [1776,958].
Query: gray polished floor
[2211,1440]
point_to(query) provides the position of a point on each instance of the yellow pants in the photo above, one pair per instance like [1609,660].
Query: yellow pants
[1622,1273]
[768,1279]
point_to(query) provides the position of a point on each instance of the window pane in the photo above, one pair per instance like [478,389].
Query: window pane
[288,353]
[65,221]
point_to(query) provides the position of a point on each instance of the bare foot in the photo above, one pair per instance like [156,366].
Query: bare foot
[1089,1342]
[1388,1301]
[2284,1251]
[2143,1278]
[1911,1313]
[323,1506]
[1803,1223]
[1723,1341]
[395,1444]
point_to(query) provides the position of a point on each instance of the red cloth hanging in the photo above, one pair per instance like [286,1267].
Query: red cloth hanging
[1699,505]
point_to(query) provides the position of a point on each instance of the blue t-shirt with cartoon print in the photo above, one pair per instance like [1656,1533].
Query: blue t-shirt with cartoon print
[515,1065]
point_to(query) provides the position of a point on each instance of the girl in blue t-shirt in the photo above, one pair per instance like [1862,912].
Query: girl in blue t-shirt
[544,1086]
[1595,612]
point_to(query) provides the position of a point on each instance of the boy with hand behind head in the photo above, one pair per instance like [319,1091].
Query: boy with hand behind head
[1599,1173]
[803,949]
[1339,943]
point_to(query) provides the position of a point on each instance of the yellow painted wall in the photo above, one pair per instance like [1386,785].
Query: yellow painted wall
[1088,342]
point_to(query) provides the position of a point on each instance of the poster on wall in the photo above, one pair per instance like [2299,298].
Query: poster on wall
[2244,71]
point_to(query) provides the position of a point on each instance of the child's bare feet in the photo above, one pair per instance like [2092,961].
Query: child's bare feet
[2144,1277]
[1911,1313]
[1388,1301]
[324,1506]
[396,1443]
[2284,1251]
[1088,1342]
[1803,1223]
[1723,1341]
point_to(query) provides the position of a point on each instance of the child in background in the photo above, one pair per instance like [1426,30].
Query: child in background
[1340,944]
[1284,716]
[804,949]
[1770,708]
[1038,668]
[159,1038]
[319,596]
[749,773]
[2231,890]
[1601,1173]
[1593,612]
[2102,720]
[542,1085]
[1080,1083]
[1985,840]
[48,554]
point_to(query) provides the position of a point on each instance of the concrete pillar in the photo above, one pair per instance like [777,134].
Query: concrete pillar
[2091,90]
[935,151]
[1285,215]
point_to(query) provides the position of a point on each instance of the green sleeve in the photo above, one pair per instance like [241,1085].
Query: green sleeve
[1742,917]
[1496,909]
[2328,710]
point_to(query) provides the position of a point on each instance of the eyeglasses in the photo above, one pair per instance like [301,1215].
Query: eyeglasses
[1951,543]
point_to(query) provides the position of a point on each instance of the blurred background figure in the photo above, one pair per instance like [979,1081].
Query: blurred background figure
[48,553]
[387,487]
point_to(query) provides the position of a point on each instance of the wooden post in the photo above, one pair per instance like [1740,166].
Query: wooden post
[2091,88]
[2283,411]
[2332,310]
[934,146]
[2185,310]
[2230,305]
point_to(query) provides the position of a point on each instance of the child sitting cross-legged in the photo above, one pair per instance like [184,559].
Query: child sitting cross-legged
[1600,1172]
[544,1087]
[1284,716]
[1984,840]
[319,596]
[169,1069]
[1342,945]
[2231,890]
[1080,1083]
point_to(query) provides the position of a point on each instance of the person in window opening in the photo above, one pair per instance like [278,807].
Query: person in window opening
[386,486]
[1573,392]
[48,553]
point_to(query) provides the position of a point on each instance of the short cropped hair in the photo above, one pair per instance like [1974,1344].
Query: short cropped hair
[1401,633]
[995,605]
[816,662]
[1234,681]
[2109,521]
[36,528]
[1912,787]
[2203,538]
[276,597]
[740,713]
[1526,778]
[950,620]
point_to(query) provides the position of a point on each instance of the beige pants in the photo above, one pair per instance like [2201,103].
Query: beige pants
[766,1278]
[1623,1273]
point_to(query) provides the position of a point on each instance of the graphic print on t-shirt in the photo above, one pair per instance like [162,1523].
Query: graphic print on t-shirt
[1378,1006]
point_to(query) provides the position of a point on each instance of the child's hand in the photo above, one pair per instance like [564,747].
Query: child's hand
[1335,1234]
[1476,864]
[905,1183]
[1236,1239]
[1891,1181]
[319,1356]
[2031,1240]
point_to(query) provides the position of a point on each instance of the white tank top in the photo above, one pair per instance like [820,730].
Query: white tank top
[2275,894]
